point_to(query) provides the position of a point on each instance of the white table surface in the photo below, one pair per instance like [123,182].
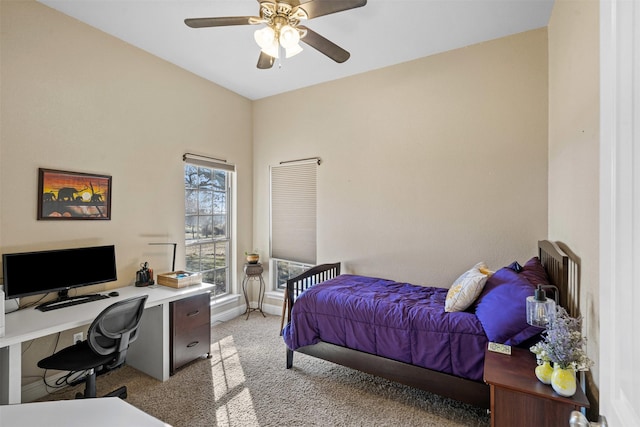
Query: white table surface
[28,324]
[149,354]
[100,412]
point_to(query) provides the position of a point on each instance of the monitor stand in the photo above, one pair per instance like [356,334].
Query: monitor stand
[64,300]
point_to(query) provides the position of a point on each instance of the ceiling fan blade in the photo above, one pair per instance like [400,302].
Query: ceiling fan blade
[315,8]
[265,61]
[219,22]
[324,46]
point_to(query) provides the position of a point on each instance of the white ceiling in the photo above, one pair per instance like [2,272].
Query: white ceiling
[382,33]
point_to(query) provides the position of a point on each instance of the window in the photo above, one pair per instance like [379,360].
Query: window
[284,270]
[207,224]
[293,219]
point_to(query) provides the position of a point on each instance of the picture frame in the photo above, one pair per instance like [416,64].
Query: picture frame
[64,195]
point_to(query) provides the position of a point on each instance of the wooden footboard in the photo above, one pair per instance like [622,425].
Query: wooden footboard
[562,269]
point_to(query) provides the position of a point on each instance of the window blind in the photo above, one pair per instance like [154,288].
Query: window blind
[293,212]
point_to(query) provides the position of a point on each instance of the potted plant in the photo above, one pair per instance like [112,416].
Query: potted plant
[564,346]
[252,257]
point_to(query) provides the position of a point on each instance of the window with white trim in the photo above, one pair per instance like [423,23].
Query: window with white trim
[207,228]
[284,270]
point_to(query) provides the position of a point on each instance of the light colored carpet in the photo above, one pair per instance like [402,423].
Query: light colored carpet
[245,383]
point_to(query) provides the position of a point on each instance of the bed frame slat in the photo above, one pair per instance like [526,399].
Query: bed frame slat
[563,269]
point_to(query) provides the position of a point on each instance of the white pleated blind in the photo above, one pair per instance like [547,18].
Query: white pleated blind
[293,212]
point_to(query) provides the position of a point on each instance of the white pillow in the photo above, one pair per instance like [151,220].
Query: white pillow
[466,289]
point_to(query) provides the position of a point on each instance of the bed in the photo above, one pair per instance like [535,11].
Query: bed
[402,332]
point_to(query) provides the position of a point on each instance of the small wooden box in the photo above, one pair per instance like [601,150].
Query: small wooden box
[179,279]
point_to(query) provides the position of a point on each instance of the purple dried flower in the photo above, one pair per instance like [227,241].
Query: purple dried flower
[563,343]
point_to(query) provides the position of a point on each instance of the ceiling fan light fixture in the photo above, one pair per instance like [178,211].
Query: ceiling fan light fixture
[265,37]
[272,50]
[289,37]
[293,51]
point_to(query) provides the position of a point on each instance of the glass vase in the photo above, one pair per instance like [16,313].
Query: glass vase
[563,381]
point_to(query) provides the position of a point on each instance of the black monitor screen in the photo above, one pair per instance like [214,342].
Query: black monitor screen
[31,273]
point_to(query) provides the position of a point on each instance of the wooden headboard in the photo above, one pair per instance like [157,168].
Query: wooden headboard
[563,268]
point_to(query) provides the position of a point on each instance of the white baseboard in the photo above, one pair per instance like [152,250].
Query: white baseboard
[36,390]
[272,309]
[232,313]
[223,316]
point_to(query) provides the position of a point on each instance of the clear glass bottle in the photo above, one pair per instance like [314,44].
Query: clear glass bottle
[541,311]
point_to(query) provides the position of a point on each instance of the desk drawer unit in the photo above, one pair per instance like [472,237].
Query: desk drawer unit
[190,322]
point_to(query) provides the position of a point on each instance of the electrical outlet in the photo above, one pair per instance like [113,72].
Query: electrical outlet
[77,337]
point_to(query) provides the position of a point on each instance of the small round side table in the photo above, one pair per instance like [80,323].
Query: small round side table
[253,271]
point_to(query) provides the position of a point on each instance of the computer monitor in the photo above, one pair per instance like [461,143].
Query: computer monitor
[31,273]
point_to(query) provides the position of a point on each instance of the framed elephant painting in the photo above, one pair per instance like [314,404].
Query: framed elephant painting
[66,195]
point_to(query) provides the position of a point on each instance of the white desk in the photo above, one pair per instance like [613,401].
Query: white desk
[149,353]
[103,412]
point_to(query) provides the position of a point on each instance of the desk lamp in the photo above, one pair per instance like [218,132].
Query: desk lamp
[173,264]
[541,311]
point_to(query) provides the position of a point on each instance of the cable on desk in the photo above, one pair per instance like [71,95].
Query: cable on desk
[31,304]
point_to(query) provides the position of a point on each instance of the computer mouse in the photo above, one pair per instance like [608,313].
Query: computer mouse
[114,294]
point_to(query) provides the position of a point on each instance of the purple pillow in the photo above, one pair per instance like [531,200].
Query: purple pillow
[535,273]
[515,266]
[501,308]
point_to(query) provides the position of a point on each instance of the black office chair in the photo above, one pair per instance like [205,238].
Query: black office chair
[106,345]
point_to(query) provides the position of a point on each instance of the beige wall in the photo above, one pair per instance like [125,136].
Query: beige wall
[74,98]
[444,157]
[574,146]
[428,166]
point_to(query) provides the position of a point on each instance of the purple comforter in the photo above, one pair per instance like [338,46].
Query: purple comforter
[395,320]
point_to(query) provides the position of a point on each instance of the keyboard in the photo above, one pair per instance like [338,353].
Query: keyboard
[48,306]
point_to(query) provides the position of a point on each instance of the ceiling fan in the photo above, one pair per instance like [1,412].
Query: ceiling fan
[283,31]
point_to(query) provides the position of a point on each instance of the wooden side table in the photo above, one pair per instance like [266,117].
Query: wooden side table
[518,398]
[253,271]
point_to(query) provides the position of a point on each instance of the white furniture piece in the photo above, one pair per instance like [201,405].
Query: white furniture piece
[149,353]
[1,313]
[103,412]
